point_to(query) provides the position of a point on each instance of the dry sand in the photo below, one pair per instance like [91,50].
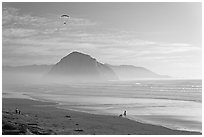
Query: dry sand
[44,118]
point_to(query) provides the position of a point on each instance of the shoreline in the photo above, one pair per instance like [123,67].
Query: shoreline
[63,121]
[129,118]
[58,105]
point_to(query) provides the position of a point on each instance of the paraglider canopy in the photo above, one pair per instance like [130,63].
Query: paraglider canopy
[64,18]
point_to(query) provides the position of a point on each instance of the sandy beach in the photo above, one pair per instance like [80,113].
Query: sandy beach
[44,118]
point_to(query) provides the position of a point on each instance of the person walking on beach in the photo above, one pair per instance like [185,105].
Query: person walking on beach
[125,113]
[16,111]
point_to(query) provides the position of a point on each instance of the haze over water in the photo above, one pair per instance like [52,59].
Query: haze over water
[175,104]
[149,39]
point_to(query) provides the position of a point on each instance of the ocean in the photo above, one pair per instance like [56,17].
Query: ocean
[175,104]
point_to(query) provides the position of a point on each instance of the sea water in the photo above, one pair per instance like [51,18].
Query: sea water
[176,104]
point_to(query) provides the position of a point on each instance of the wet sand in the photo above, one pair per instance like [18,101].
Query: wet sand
[44,118]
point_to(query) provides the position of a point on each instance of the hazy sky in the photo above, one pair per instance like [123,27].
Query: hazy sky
[163,37]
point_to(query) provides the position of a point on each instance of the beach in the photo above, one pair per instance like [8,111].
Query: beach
[44,118]
[77,69]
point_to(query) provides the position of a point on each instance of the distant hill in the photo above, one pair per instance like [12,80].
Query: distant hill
[41,69]
[79,66]
[130,72]
[23,74]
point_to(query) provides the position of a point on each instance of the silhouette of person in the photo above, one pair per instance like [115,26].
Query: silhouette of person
[125,113]
[16,111]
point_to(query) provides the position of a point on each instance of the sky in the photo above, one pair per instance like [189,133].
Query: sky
[163,37]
